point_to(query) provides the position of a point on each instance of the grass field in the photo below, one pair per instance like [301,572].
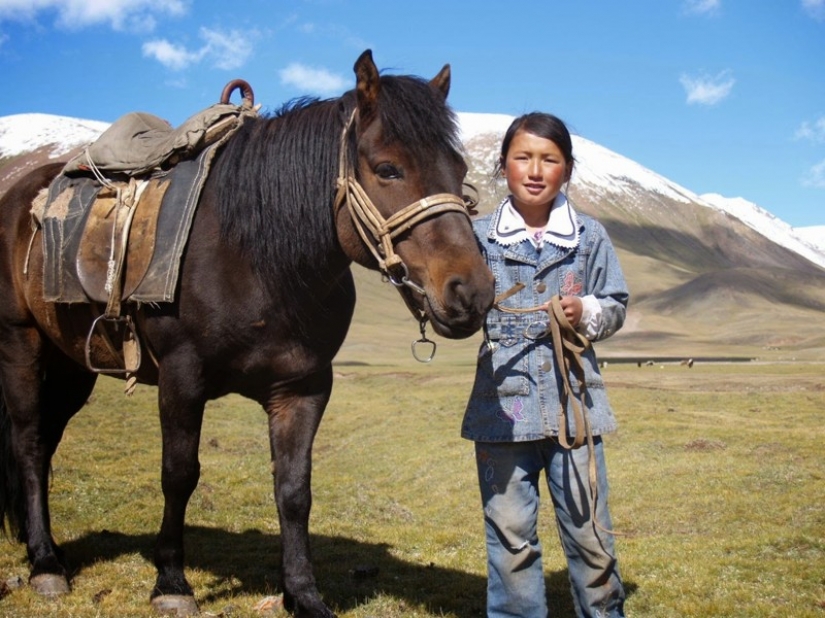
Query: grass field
[717,481]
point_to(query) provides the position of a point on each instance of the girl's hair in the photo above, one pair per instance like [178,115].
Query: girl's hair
[543,125]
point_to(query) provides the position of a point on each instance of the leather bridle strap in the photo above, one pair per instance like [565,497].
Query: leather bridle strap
[375,230]
[568,346]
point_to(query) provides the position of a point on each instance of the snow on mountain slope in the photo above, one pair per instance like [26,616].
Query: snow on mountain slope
[768,225]
[608,172]
[25,132]
[814,235]
[601,169]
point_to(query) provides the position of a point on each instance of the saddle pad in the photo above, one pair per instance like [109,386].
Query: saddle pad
[65,219]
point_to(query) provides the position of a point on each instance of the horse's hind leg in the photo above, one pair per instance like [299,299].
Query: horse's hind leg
[40,401]
[181,405]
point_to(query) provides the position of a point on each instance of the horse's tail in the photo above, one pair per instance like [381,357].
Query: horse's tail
[12,505]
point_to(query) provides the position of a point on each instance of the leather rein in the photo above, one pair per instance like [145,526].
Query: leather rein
[568,347]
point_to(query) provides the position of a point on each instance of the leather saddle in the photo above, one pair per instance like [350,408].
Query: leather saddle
[109,232]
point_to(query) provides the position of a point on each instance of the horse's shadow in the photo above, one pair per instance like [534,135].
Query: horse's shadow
[349,572]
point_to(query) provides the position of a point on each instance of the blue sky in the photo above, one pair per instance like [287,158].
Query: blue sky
[720,96]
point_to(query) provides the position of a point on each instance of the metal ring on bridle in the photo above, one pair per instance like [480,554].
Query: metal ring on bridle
[404,279]
[422,323]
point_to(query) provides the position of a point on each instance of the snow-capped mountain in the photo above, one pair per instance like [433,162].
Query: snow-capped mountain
[706,273]
[26,132]
[814,235]
[597,167]
[801,240]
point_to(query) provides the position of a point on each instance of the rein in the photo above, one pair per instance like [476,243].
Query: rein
[568,347]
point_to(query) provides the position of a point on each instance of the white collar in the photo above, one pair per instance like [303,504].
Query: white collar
[562,227]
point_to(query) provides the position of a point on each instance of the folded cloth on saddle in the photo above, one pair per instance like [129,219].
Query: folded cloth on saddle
[138,143]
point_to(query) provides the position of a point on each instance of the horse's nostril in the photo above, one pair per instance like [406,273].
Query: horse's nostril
[456,291]
[473,292]
[463,295]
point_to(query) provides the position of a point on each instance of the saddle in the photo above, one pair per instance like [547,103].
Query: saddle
[116,219]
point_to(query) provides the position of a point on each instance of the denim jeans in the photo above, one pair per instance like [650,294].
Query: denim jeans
[508,475]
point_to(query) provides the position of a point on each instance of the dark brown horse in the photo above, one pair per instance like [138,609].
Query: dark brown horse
[264,300]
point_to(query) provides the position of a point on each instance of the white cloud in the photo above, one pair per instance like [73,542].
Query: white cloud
[812,131]
[702,7]
[175,57]
[814,8]
[224,50]
[229,50]
[707,90]
[815,177]
[76,14]
[308,79]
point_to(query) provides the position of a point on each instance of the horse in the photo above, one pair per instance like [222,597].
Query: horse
[263,303]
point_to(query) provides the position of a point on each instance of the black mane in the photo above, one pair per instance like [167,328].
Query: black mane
[277,175]
[276,182]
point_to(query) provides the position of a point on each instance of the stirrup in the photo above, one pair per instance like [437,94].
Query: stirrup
[130,338]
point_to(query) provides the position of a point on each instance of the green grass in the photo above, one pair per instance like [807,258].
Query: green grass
[716,479]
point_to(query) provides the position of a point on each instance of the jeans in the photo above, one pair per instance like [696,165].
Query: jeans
[508,475]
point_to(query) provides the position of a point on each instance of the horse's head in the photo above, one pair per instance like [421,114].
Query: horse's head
[399,203]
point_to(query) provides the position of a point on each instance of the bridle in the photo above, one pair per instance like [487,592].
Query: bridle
[378,232]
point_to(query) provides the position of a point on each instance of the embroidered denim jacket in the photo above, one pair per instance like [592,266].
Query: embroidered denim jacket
[515,396]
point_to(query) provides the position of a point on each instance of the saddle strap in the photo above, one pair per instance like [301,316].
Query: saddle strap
[127,200]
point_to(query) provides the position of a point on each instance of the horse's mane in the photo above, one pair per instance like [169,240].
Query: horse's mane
[276,179]
[413,113]
[276,176]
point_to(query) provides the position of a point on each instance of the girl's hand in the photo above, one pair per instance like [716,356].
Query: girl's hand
[572,306]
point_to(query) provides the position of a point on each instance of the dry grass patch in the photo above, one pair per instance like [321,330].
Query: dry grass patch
[716,484]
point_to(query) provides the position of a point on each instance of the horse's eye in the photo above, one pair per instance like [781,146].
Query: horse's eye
[388,171]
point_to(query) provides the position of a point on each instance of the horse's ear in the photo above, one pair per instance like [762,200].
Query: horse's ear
[367,87]
[442,81]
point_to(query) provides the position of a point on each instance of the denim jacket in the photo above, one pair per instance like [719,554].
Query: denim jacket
[515,396]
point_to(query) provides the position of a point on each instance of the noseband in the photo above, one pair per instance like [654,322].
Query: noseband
[376,231]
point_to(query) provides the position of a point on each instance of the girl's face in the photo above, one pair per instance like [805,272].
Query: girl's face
[535,170]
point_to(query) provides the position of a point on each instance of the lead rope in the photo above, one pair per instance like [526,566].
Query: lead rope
[568,347]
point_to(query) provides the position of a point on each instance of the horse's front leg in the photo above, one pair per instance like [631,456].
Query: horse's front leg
[181,417]
[294,415]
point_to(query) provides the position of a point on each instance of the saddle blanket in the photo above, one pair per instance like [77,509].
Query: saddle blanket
[156,242]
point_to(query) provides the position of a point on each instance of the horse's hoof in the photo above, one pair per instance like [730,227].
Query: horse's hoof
[175,605]
[50,585]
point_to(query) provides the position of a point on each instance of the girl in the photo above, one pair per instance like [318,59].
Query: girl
[537,239]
